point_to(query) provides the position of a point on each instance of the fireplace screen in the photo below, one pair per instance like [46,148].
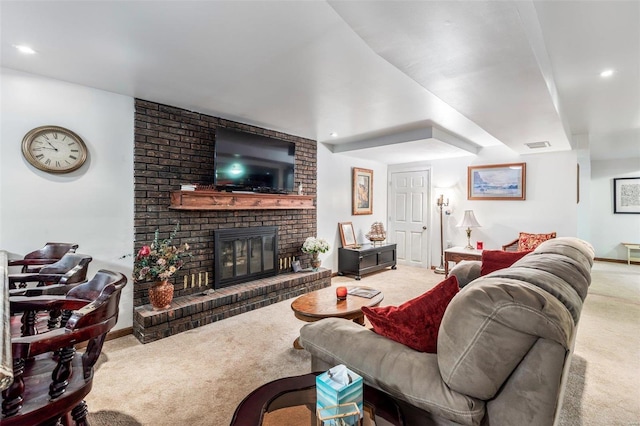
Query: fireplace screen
[244,254]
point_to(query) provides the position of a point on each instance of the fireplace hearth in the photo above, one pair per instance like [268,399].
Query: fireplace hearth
[244,254]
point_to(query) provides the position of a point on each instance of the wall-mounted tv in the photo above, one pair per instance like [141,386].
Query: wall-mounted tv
[248,162]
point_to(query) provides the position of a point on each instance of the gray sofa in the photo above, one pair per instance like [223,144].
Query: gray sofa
[504,345]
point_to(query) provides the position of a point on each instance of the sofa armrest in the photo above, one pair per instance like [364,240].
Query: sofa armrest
[466,271]
[405,374]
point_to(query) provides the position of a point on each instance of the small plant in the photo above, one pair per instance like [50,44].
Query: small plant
[160,260]
[315,245]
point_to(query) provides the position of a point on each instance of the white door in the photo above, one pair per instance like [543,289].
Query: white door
[408,218]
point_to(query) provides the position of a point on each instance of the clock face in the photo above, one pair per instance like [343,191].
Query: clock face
[54,149]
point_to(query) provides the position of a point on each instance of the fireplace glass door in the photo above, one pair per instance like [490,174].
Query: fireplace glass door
[244,254]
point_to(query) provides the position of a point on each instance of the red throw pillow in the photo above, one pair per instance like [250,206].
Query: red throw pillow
[492,260]
[415,323]
[531,241]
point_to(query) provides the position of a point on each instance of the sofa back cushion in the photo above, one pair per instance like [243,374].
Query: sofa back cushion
[490,326]
[493,322]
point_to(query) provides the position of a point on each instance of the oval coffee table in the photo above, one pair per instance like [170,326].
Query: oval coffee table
[281,401]
[320,304]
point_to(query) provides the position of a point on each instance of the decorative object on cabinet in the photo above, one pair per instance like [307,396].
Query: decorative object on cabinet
[497,182]
[54,149]
[469,220]
[376,234]
[362,190]
[626,195]
[441,204]
[347,234]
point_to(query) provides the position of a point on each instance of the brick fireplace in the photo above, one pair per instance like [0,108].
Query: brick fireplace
[172,147]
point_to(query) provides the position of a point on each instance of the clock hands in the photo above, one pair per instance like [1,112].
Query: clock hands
[51,146]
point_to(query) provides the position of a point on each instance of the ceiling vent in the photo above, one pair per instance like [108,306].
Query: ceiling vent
[536,145]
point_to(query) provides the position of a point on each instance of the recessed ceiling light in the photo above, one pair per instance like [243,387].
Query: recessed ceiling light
[606,73]
[24,49]
[333,134]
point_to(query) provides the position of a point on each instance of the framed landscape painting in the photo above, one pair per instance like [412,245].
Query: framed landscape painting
[362,191]
[626,195]
[497,182]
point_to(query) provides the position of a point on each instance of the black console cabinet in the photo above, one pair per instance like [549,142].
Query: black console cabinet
[366,259]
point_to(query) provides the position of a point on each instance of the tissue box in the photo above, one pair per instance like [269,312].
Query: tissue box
[331,392]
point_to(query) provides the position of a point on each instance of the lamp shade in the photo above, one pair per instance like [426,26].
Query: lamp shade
[469,220]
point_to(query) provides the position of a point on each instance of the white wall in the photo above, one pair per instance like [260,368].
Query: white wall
[92,206]
[334,199]
[550,203]
[609,230]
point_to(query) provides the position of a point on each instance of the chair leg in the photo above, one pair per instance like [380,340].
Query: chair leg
[79,414]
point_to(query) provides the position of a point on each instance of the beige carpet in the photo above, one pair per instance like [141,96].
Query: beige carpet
[199,377]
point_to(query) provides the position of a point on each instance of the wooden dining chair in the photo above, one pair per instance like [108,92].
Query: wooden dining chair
[70,269]
[50,253]
[51,379]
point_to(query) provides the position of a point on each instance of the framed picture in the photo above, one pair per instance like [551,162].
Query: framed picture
[347,234]
[362,191]
[497,182]
[626,195]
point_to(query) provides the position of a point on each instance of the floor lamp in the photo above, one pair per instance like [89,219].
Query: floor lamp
[441,204]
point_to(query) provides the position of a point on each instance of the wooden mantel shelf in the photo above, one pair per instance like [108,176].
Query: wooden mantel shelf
[216,200]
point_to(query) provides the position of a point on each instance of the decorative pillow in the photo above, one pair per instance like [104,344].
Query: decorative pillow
[492,260]
[415,323]
[531,241]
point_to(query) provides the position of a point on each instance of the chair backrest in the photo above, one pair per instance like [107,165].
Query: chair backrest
[52,251]
[73,265]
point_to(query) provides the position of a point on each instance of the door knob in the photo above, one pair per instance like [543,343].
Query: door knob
[424,228]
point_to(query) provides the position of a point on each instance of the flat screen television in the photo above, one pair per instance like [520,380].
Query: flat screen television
[248,162]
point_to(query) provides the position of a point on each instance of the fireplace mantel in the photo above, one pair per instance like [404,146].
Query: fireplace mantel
[216,200]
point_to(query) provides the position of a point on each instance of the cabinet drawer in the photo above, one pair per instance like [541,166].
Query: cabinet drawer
[368,260]
[387,256]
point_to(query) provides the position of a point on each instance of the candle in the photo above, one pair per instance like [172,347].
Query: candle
[341,293]
[479,245]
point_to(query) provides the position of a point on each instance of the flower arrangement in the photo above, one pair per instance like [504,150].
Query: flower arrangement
[315,245]
[160,260]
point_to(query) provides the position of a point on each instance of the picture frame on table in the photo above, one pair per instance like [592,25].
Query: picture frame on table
[497,182]
[362,191]
[347,234]
[626,195]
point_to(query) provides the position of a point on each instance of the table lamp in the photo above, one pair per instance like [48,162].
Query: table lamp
[469,220]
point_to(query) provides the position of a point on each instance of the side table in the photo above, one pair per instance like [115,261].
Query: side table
[286,394]
[456,254]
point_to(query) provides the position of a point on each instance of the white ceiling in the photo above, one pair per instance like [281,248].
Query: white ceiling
[397,81]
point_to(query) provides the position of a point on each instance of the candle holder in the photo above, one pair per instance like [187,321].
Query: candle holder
[341,293]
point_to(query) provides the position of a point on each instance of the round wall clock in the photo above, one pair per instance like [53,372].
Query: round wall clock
[54,149]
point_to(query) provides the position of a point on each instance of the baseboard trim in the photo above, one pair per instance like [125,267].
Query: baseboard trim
[604,259]
[119,333]
[110,336]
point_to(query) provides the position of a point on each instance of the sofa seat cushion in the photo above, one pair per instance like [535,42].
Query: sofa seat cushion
[415,323]
[493,260]
[402,372]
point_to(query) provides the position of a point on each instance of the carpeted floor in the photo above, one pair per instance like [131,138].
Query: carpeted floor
[199,377]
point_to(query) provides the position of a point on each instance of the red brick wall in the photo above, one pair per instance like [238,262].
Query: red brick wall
[174,146]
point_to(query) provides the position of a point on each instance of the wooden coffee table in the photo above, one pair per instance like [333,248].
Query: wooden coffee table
[281,401]
[323,303]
